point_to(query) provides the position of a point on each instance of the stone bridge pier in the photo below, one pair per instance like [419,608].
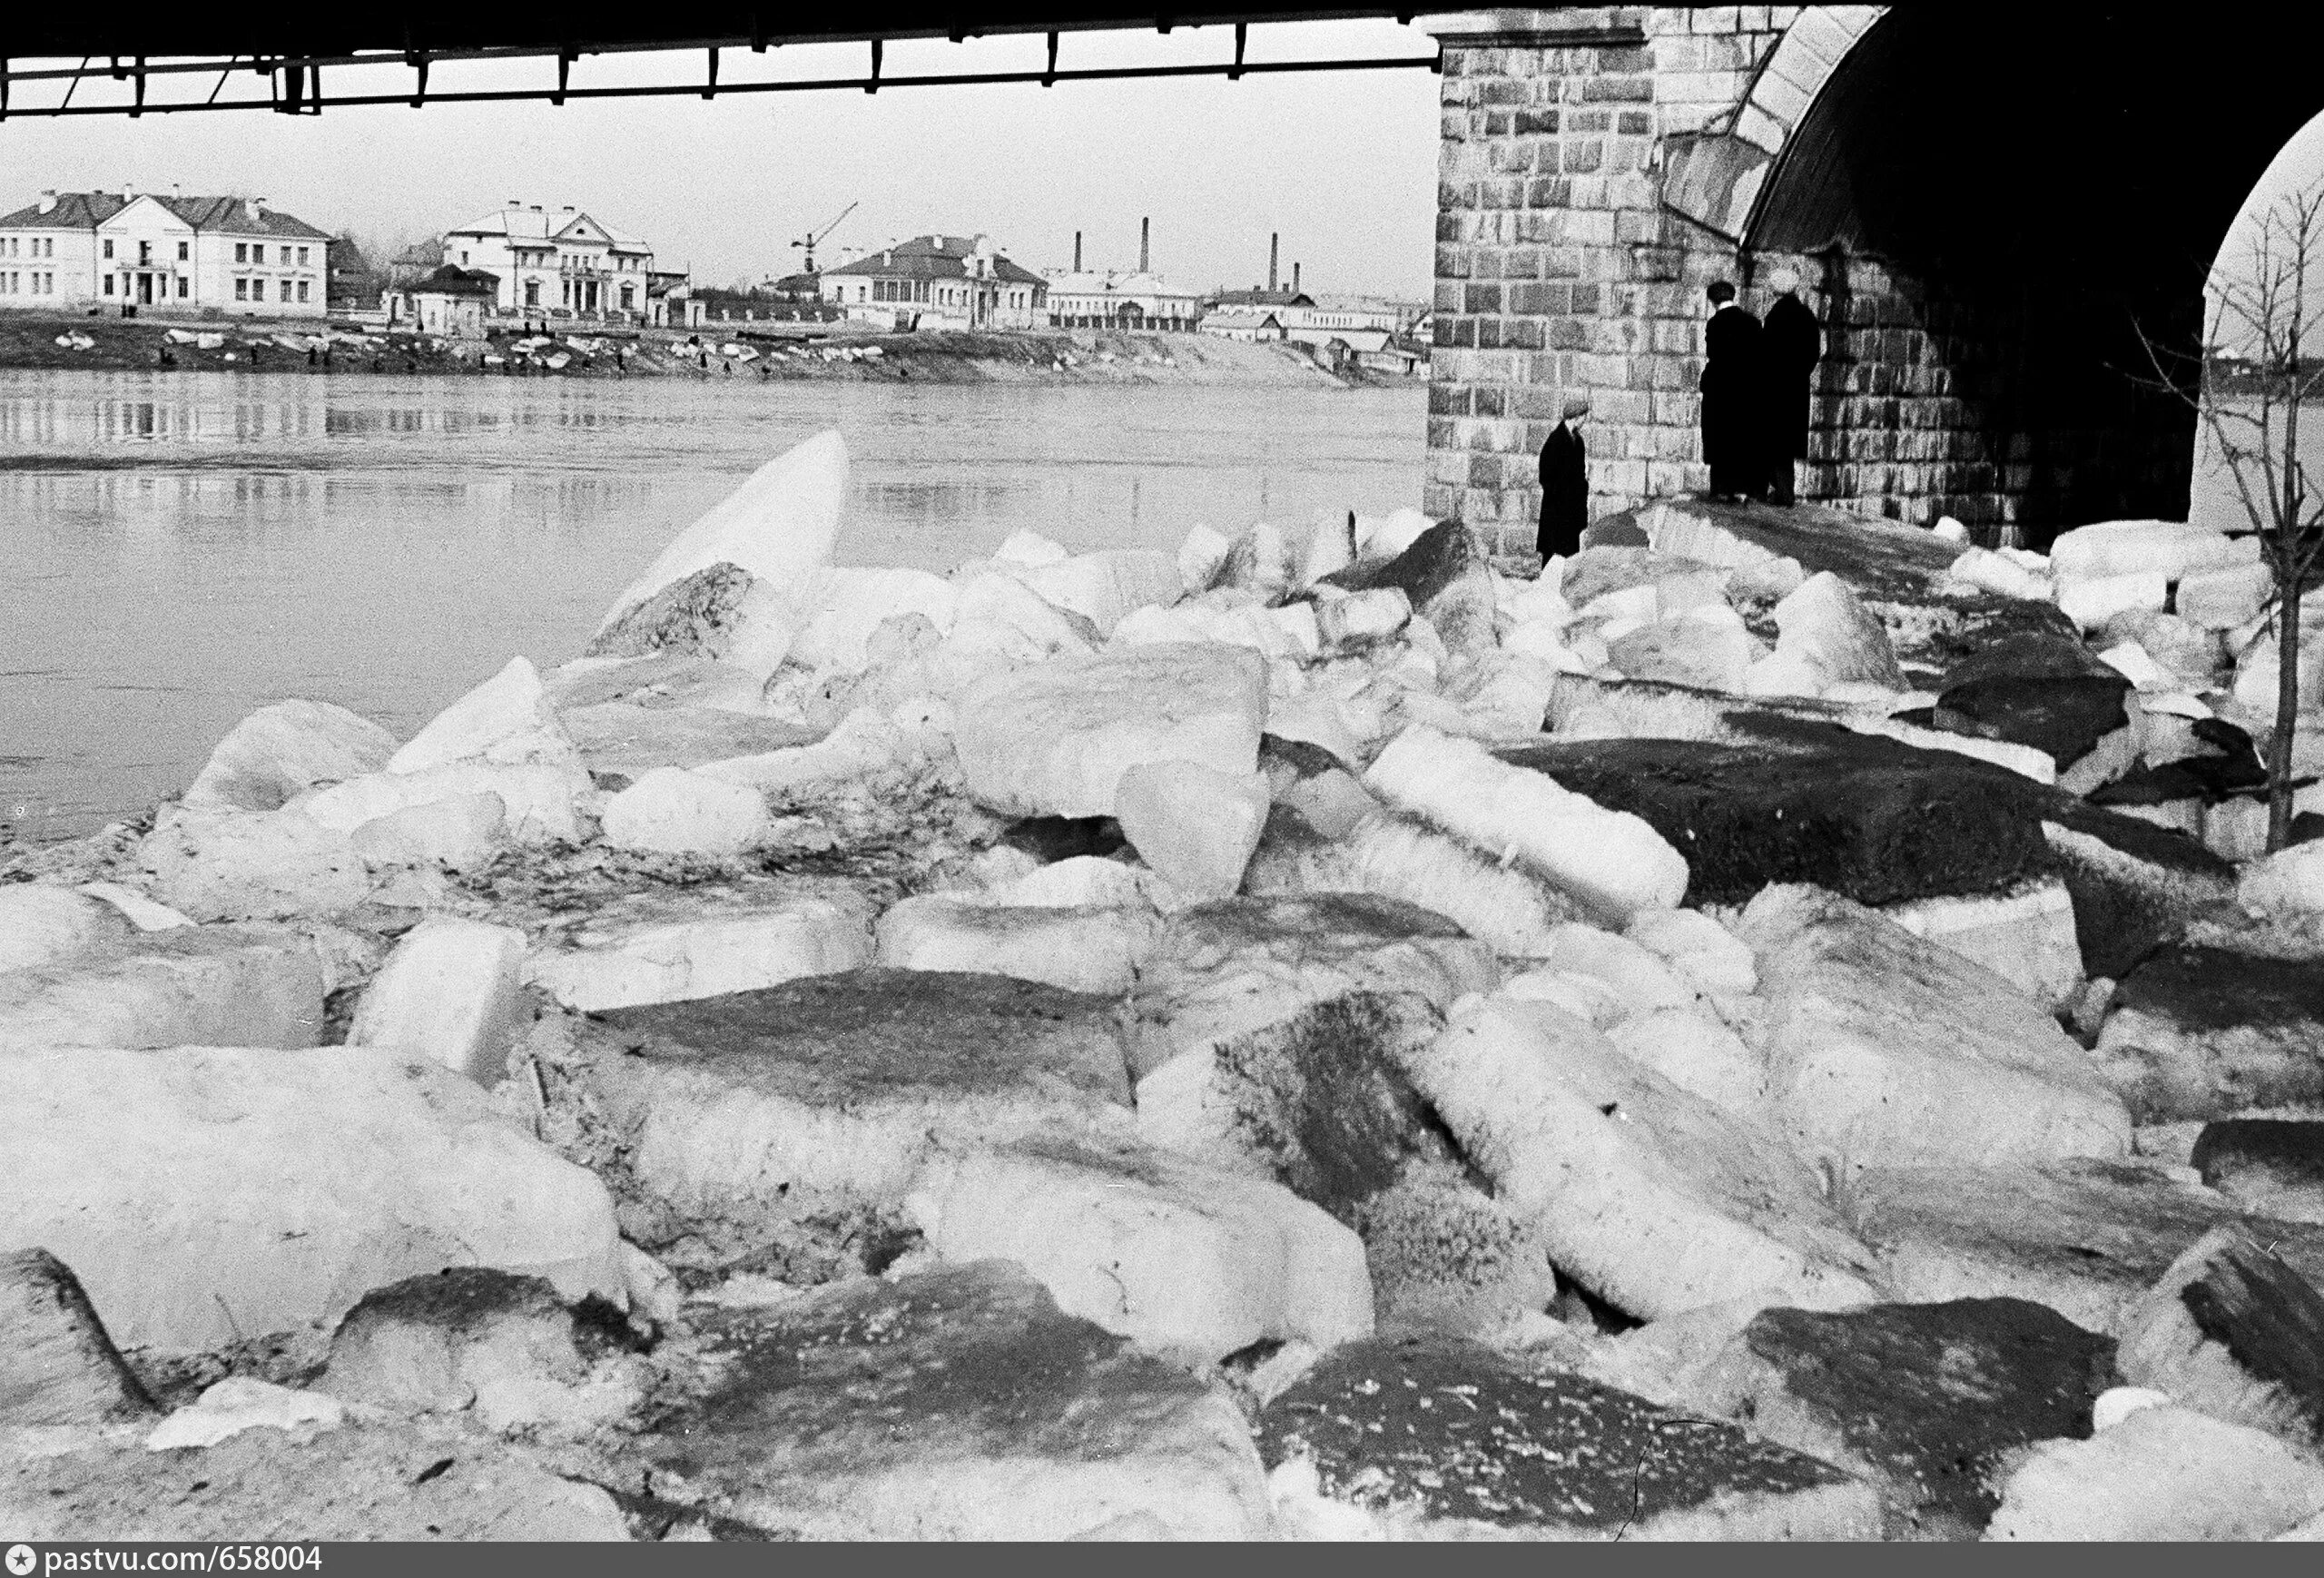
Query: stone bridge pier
[2004,222]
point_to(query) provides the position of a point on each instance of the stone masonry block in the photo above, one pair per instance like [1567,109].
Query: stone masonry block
[1621,407]
[1677,56]
[1606,264]
[1590,230]
[1635,228]
[1697,87]
[1631,189]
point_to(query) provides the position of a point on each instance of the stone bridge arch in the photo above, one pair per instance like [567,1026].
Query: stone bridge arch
[1993,211]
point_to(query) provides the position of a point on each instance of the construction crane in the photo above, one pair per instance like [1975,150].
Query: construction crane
[809,242]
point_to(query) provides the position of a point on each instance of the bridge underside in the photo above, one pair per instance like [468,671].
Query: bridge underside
[291,47]
[271,28]
[2004,224]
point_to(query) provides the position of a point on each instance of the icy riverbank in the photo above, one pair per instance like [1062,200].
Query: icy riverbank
[1095,1044]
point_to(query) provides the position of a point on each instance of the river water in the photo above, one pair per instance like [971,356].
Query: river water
[178,550]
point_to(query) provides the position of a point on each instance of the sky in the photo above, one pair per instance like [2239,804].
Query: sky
[1343,163]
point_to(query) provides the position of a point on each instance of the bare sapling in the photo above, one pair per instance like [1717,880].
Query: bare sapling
[2253,384]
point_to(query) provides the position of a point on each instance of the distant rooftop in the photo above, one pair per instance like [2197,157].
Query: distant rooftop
[521,223]
[1258,297]
[935,257]
[1126,282]
[231,215]
[454,280]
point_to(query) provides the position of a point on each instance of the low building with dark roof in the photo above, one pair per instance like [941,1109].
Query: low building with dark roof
[1246,324]
[1366,328]
[452,300]
[1255,299]
[938,281]
[175,254]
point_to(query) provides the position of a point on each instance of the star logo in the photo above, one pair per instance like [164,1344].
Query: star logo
[21,1560]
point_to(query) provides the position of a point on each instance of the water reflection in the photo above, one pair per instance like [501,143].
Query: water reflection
[183,547]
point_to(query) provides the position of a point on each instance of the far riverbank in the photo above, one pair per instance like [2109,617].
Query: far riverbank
[758,352]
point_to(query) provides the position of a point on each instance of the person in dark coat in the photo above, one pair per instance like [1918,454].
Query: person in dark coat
[1565,485]
[1790,344]
[1731,394]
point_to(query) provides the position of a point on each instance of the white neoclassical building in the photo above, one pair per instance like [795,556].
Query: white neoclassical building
[557,264]
[172,254]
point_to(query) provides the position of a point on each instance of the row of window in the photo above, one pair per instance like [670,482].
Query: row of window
[185,286]
[588,301]
[22,284]
[13,247]
[244,289]
[255,289]
[943,295]
[244,252]
[524,258]
[1099,306]
[145,250]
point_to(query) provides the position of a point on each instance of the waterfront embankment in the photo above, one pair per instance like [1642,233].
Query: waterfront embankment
[758,352]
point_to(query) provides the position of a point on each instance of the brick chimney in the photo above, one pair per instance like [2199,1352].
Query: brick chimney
[1145,240]
[1294,277]
[48,202]
[1274,245]
[1076,251]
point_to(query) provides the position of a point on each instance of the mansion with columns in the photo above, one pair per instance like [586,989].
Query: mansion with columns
[561,264]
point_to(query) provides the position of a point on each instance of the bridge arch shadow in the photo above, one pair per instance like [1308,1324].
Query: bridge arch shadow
[2007,217]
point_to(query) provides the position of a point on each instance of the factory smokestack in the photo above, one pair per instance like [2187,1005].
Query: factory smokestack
[1294,277]
[1076,251]
[1275,246]
[1145,237]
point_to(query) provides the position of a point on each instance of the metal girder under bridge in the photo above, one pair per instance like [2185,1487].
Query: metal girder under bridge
[208,58]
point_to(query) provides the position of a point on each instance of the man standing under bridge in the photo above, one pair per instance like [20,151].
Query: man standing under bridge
[1565,485]
[1731,390]
[1790,344]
